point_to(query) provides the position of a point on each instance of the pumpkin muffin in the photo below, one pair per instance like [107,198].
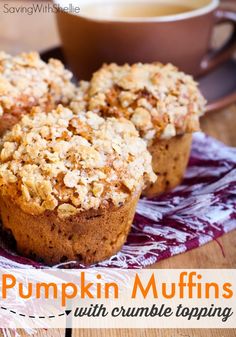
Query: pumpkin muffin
[163,103]
[26,81]
[69,184]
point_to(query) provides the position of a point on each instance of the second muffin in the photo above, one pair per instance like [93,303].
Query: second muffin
[163,103]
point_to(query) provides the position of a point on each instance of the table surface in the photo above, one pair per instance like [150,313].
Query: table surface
[15,37]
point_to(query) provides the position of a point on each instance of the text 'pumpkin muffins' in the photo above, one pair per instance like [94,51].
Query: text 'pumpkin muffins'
[163,103]
[69,184]
[26,81]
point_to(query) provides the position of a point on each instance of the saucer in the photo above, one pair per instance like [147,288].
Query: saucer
[218,86]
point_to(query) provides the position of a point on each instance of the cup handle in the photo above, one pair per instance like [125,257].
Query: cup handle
[218,56]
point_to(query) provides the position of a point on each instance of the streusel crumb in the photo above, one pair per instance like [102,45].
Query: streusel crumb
[26,81]
[71,162]
[161,101]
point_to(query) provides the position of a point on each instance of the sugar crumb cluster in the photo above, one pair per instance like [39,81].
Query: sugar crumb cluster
[27,81]
[161,101]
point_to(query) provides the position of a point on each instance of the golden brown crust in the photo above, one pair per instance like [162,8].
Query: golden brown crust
[169,162]
[87,237]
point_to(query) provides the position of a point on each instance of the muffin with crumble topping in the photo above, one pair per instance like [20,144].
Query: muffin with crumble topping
[69,184]
[163,103]
[26,81]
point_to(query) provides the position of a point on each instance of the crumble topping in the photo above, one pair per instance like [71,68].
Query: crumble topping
[160,100]
[79,102]
[27,81]
[71,162]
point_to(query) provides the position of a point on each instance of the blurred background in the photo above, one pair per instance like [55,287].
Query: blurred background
[20,32]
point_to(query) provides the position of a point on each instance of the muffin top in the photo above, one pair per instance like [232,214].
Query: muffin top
[161,101]
[27,81]
[71,162]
